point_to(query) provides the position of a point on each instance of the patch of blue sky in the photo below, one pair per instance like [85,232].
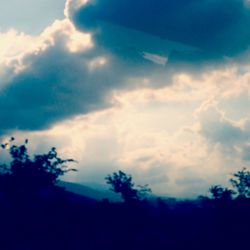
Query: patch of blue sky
[29,16]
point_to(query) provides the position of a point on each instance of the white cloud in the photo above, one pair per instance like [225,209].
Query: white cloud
[73,5]
[14,43]
[13,46]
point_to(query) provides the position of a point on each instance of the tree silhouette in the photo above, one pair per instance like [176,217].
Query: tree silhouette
[219,192]
[24,174]
[123,184]
[241,182]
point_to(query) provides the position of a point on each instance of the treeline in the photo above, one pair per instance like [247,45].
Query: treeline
[37,214]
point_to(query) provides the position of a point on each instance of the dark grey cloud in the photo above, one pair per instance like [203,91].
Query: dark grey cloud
[217,129]
[233,138]
[216,28]
[224,133]
[56,85]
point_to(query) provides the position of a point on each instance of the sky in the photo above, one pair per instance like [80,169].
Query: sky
[157,88]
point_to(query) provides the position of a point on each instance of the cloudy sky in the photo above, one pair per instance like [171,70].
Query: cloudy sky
[157,88]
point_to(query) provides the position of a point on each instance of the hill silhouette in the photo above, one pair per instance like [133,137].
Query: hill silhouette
[95,193]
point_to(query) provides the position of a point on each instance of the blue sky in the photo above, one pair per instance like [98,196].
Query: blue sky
[159,89]
[30,16]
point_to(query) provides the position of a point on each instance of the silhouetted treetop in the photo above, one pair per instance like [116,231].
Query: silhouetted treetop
[241,182]
[122,183]
[219,192]
[26,173]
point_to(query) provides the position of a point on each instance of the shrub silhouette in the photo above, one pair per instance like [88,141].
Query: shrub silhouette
[241,182]
[241,187]
[219,192]
[122,183]
[24,174]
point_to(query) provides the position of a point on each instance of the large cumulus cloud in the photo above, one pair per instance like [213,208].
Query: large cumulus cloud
[62,79]
[216,28]
[62,75]
[56,81]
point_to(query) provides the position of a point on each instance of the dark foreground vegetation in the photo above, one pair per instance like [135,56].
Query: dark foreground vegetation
[36,214]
